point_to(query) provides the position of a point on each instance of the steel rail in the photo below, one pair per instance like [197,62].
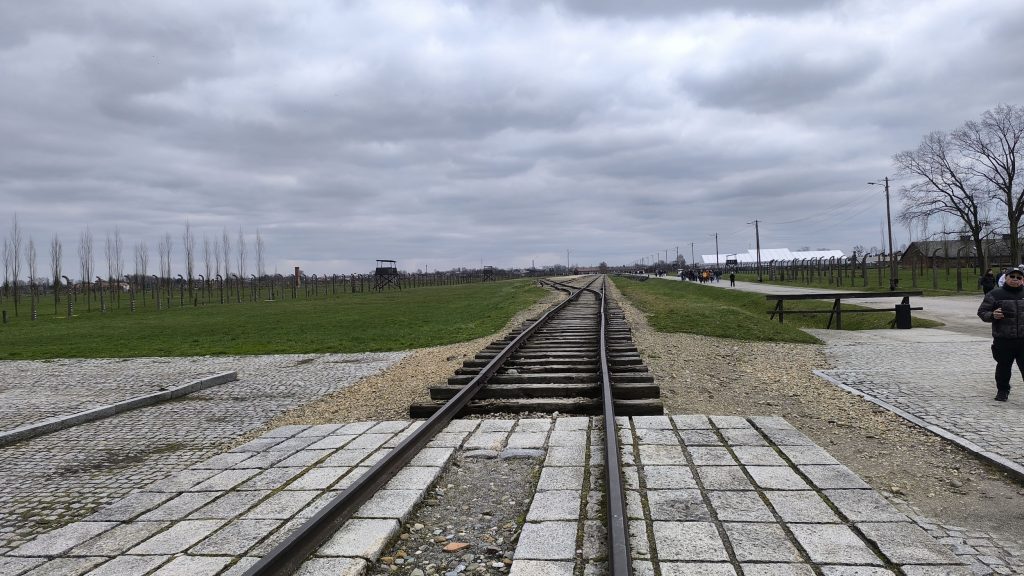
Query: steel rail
[285,558]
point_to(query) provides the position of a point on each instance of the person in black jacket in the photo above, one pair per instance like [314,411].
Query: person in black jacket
[1004,308]
[987,282]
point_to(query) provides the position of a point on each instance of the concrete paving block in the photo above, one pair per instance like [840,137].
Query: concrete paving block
[293,445]
[760,542]
[282,505]
[236,538]
[495,425]
[572,423]
[692,422]
[351,477]
[855,571]
[565,456]
[271,479]
[668,477]
[356,427]
[777,570]
[222,461]
[652,422]
[10,565]
[229,505]
[758,456]
[710,456]
[771,423]
[124,565]
[634,505]
[832,477]
[447,439]
[776,478]
[263,460]
[787,437]
[555,505]
[639,545]
[319,478]
[723,478]
[568,438]
[413,478]
[654,455]
[801,506]
[743,437]
[333,567]
[522,454]
[677,505]
[736,506]
[656,436]
[349,457]
[432,457]
[180,507]
[61,540]
[643,568]
[486,441]
[389,427]
[361,538]
[906,543]
[562,478]
[542,425]
[193,566]
[697,569]
[305,457]
[66,566]
[178,537]
[316,505]
[731,422]
[332,442]
[547,541]
[801,455]
[951,570]
[319,430]
[541,568]
[180,481]
[595,540]
[630,477]
[833,544]
[461,426]
[700,438]
[118,539]
[131,506]
[239,568]
[225,480]
[864,506]
[693,541]
[527,439]
[390,504]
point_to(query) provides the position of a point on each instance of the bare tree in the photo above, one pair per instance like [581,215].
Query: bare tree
[141,266]
[85,262]
[943,183]
[994,145]
[216,256]
[16,240]
[260,249]
[30,260]
[225,244]
[188,242]
[7,267]
[165,248]
[118,255]
[56,256]
[241,253]
[206,256]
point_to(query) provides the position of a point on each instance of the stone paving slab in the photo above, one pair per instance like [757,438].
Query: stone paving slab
[694,512]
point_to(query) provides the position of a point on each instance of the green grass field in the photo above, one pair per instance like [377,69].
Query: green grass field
[712,311]
[364,322]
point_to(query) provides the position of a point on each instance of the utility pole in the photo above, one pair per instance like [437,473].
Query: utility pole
[894,273]
[693,261]
[717,263]
[677,257]
[757,240]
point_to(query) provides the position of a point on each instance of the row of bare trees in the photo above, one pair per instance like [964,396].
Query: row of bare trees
[216,254]
[966,175]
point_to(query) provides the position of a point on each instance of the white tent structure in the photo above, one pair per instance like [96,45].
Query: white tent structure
[767,255]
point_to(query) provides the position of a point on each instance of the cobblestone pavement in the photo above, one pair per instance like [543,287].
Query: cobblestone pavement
[712,496]
[61,477]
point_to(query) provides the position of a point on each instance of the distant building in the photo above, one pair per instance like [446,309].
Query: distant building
[767,255]
[945,252]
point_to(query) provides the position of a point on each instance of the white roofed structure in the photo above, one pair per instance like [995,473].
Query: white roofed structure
[769,254]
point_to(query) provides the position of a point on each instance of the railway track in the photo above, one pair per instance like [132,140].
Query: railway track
[575,358]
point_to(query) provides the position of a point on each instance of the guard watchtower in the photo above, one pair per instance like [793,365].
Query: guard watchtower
[488,274]
[386,275]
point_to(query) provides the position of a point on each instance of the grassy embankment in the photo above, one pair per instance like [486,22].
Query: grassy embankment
[945,281]
[364,322]
[713,311]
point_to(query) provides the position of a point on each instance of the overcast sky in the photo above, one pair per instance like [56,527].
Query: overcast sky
[445,134]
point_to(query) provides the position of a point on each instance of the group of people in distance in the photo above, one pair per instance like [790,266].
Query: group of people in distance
[703,276]
[1003,307]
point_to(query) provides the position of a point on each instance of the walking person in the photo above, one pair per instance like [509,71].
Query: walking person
[987,282]
[1004,308]
[732,281]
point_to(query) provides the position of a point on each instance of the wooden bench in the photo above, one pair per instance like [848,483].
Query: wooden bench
[837,312]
